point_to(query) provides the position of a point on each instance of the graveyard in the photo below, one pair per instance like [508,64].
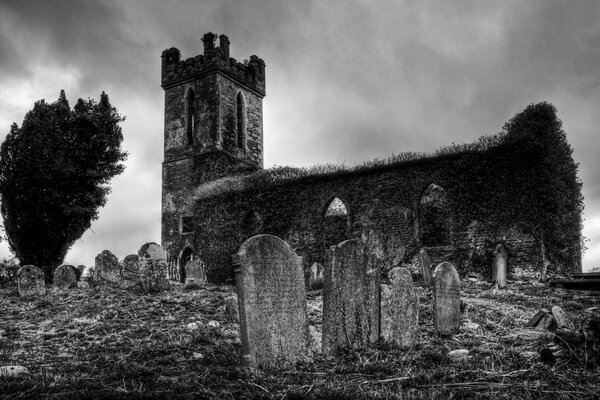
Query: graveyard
[153,338]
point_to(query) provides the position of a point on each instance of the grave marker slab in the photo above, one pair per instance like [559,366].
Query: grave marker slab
[130,271]
[31,281]
[64,277]
[500,266]
[195,274]
[399,309]
[153,268]
[446,299]
[425,262]
[272,302]
[351,299]
[107,268]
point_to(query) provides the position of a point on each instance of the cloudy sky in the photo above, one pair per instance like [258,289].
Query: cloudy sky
[347,81]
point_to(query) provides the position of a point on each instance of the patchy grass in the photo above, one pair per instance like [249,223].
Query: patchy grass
[112,343]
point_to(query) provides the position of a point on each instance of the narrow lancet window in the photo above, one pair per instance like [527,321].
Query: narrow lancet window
[241,120]
[191,116]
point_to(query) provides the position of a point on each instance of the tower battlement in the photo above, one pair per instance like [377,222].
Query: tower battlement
[215,58]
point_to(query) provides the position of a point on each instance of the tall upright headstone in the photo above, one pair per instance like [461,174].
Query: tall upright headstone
[30,280]
[399,309]
[130,271]
[350,296]
[425,262]
[272,303]
[195,273]
[446,299]
[64,277]
[107,268]
[499,270]
[153,268]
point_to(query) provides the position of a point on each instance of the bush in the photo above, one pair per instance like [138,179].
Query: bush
[8,270]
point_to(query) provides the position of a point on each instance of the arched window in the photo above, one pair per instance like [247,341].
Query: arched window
[241,120]
[190,104]
[336,223]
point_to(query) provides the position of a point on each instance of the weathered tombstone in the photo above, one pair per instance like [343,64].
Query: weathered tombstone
[425,262]
[64,277]
[399,309]
[446,299]
[315,277]
[350,296]
[562,319]
[77,272]
[272,302]
[107,268]
[130,271]
[31,281]
[195,274]
[153,267]
[499,269]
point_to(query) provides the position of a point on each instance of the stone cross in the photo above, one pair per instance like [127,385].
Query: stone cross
[195,274]
[499,269]
[31,281]
[153,268]
[350,296]
[107,268]
[446,299]
[425,262]
[64,277]
[399,309]
[272,302]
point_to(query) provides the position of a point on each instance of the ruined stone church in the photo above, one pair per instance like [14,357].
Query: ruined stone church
[215,193]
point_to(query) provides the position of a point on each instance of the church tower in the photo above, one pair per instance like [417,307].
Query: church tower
[213,128]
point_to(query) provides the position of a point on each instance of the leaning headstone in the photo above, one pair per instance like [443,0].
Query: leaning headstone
[153,268]
[107,268]
[399,309]
[499,269]
[446,299]
[350,296]
[130,271]
[272,302]
[64,277]
[425,262]
[195,274]
[561,318]
[31,281]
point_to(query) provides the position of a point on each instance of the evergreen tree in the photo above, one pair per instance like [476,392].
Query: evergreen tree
[54,175]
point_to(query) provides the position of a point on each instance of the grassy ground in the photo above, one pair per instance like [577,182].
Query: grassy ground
[111,343]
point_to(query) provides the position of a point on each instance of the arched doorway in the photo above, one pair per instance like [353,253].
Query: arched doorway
[186,255]
[435,217]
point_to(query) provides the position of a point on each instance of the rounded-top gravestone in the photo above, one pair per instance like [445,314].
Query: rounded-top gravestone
[130,272]
[153,267]
[446,299]
[107,268]
[31,281]
[195,274]
[399,309]
[64,277]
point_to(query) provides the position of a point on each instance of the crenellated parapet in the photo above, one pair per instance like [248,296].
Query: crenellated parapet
[250,73]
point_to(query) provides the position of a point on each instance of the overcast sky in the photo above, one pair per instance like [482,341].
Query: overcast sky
[347,81]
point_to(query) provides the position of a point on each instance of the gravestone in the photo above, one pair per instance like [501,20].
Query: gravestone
[77,272]
[425,262]
[64,277]
[446,299]
[107,268]
[350,296]
[31,281]
[499,269]
[195,274]
[153,267]
[315,276]
[399,309]
[272,303]
[130,271]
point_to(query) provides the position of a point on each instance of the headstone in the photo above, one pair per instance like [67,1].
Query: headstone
[64,277]
[195,274]
[562,319]
[399,309]
[315,277]
[425,262]
[77,272]
[107,268]
[350,296]
[499,269]
[446,299]
[535,320]
[31,281]
[153,268]
[130,271]
[272,302]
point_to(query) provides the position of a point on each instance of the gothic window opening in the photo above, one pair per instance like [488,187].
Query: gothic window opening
[435,217]
[336,223]
[336,208]
[241,121]
[190,116]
